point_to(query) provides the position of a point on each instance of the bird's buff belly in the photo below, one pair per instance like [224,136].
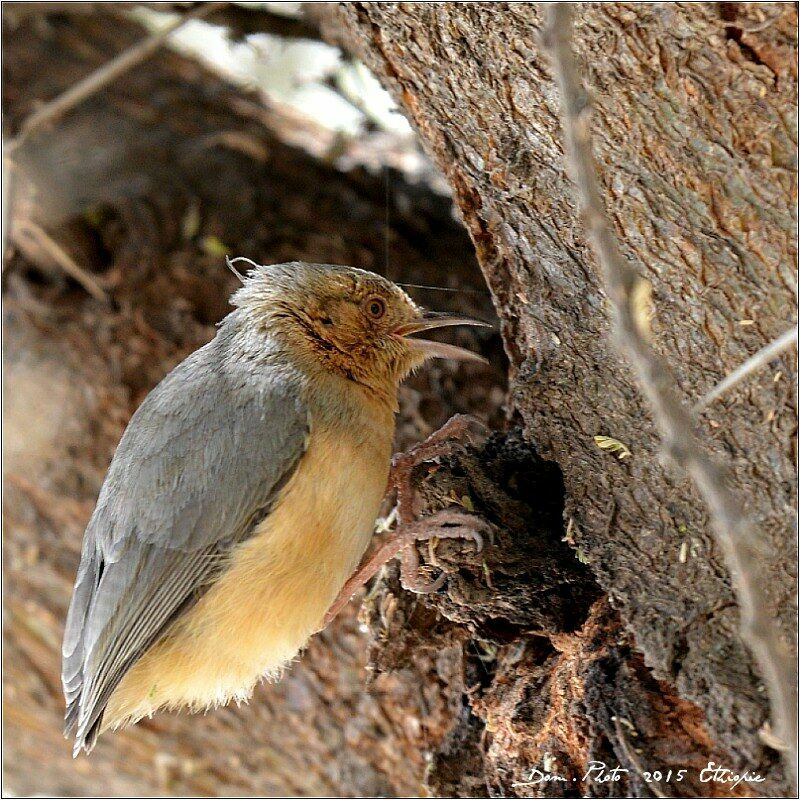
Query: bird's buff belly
[274,591]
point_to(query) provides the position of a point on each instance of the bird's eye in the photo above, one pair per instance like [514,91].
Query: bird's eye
[375,307]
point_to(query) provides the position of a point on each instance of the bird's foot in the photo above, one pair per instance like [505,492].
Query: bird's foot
[440,443]
[445,524]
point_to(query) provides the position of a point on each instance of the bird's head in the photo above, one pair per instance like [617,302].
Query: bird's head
[346,321]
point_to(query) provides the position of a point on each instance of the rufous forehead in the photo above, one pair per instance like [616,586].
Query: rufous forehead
[360,288]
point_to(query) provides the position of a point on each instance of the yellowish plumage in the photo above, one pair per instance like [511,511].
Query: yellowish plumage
[277,586]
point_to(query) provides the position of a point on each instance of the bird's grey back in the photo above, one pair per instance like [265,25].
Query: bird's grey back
[202,460]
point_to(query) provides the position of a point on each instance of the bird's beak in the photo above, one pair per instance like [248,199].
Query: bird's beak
[437,319]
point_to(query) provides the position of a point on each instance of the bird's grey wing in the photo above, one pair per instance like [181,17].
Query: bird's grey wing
[199,465]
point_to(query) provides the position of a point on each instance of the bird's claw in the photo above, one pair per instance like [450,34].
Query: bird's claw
[463,526]
[416,585]
[443,525]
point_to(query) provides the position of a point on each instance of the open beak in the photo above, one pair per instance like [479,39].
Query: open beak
[436,319]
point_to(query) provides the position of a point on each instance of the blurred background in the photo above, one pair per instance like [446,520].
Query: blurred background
[244,135]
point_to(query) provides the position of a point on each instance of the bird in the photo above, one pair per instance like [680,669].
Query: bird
[242,494]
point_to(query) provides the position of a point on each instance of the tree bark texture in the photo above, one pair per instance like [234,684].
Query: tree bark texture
[694,131]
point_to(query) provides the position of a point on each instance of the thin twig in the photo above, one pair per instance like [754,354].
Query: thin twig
[756,27]
[754,363]
[734,531]
[62,258]
[106,74]
[10,185]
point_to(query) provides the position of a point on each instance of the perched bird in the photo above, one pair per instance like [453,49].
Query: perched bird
[242,496]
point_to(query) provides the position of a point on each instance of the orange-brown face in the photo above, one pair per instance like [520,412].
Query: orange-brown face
[349,321]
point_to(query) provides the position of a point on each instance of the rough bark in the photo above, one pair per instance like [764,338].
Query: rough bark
[694,131]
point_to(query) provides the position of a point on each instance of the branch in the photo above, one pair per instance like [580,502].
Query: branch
[626,291]
[17,11]
[61,257]
[754,363]
[240,20]
[106,74]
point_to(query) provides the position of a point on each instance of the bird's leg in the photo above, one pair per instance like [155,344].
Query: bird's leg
[439,443]
[442,525]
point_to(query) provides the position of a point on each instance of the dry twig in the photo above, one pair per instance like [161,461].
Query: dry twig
[754,363]
[633,758]
[735,533]
[61,257]
[106,74]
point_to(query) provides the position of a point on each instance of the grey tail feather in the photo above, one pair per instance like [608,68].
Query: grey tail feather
[88,728]
[86,738]
[71,717]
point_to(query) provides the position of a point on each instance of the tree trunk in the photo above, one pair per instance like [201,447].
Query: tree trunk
[695,107]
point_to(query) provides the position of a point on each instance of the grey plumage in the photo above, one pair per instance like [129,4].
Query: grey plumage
[200,463]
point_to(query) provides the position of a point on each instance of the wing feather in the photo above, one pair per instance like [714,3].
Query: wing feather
[201,461]
[141,627]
